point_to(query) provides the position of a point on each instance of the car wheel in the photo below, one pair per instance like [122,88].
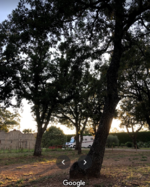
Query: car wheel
[89,146]
[74,146]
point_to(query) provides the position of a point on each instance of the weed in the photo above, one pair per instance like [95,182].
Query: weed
[44,159]
[20,181]
[135,158]
[144,156]
[34,181]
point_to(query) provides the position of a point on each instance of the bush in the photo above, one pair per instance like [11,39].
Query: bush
[122,144]
[112,141]
[140,144]
[124,136]
[53,137]
[128,144]
[144,144]
[147,144]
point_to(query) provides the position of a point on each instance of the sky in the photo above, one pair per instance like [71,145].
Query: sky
[27,121]
[6,7]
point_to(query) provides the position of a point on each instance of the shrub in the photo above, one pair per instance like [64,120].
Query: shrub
[53,137]
[124,136]
[122,144]
[148,144]
[144,144]
[128,144]
[112,140]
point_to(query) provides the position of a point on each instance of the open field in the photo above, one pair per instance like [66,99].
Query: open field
[120,168]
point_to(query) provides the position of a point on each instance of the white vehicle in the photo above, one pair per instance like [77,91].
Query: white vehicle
[71,141]
[87,142]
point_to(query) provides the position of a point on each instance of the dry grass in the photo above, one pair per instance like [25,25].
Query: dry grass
[119,168]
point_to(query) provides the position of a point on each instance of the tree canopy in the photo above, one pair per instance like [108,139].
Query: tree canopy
[41,80]
[8,120]
[27,131]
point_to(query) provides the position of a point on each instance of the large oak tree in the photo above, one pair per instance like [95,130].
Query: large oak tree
[42,77]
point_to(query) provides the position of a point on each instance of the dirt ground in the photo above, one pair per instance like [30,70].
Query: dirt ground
[120,168]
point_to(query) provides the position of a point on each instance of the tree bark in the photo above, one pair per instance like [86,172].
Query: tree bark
[37,149]
[79,148]
[78,144]
[135,143]
[77,139]
[148,120]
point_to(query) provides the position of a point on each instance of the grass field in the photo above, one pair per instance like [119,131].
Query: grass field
[120,168]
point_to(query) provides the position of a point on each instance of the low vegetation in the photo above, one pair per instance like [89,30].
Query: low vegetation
[120,168]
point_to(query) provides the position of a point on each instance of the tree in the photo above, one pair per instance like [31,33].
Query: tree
[53,136]
[134,80]
[112,140]
[8,119]
[27,131]
[76,112]
[85,102]
[131,119]
[97,97]
[41,80]
[105,17]
[4,128]
[9,67]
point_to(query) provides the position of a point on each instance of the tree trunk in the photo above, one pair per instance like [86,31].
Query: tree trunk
[148,120]
[98,148]
[77,139]
[80,143]
[135,142]
[37,149]
[79,148]
[77,142]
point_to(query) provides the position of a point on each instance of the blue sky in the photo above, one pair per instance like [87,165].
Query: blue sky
[6,7]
